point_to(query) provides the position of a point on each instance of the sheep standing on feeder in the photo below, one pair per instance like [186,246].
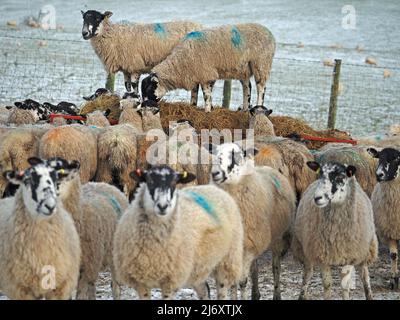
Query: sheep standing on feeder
[132,48]
[226,52]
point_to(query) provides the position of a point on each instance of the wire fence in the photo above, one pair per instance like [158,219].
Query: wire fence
[65,69]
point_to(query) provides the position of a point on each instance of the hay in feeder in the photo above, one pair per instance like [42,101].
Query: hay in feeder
[103,103]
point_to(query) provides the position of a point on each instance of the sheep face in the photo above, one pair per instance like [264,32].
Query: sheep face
[38,184]
[260,110]
[159,183]
[389,163]
[129,100]
[148,107]
[333,183]
[230,163]
[93,23]
[151,89]
[66,172]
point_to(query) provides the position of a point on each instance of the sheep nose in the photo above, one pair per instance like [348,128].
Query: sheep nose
[85,34]
[214,174]
[380,176]
[318,199]
[162,208]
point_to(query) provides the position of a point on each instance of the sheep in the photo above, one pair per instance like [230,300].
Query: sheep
[117,154]
[356,155]
[149,111]
[334,226]
[99,92]
[16,146]
[267,204]
[129,114]
[260,122]
[386,204]
[135,48]
[72,142]
[39,247]
[97,119]
[95,209]
[288,157]
[20,116]
[202,57]
[163,238]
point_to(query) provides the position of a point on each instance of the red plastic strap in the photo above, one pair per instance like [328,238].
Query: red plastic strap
[311,138]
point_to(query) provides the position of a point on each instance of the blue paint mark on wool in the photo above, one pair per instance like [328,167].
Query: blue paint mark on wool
[114,203]
[159,29]
[236,38]
[195,35]
[202,202]
[277,183]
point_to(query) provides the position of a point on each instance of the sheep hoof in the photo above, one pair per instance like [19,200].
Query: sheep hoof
[394,283]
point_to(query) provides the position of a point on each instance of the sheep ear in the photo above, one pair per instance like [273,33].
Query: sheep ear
[107,14]
[373,152]
[350,171]
[33,161]
[154,77]
[185,177]
[268,112]
[155,110]
[252,110]
[250,151]
[138,175]
[313,165]
[18,104]
[83,13]
[14,177]
[9,107]
[74,165]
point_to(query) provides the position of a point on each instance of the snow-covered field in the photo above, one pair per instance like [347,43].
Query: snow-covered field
[67,68]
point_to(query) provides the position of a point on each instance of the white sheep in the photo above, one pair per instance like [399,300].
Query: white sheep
[117,154]
[173,238]
[226,52]
[386,204]
[334,226]
[39,246]
[95,208]
[267,204]
[132,48]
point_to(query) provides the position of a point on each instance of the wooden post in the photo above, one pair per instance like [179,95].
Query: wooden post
[110,83]
[227,94]
[334,94]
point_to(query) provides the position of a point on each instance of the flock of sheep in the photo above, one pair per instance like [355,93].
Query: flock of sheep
[79,199]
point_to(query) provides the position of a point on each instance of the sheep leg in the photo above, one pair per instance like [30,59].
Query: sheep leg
[364,272]
[115,287]
[86,289]
[194,95]
[346,281]
[394,281]
[276,271]
[327,281]
[127,80]
[307,275]
[203,291]
[143,292]
[207,92]
[246,84]
[260,92]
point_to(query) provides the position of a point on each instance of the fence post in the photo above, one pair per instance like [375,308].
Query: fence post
[227,94]
[110,83]
[334,94]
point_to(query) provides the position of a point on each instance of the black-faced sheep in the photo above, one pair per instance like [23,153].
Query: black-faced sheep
[226,52]
[334,226]
[267,204]
[386,204]
[132,48]
[39,246]
[163,239]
